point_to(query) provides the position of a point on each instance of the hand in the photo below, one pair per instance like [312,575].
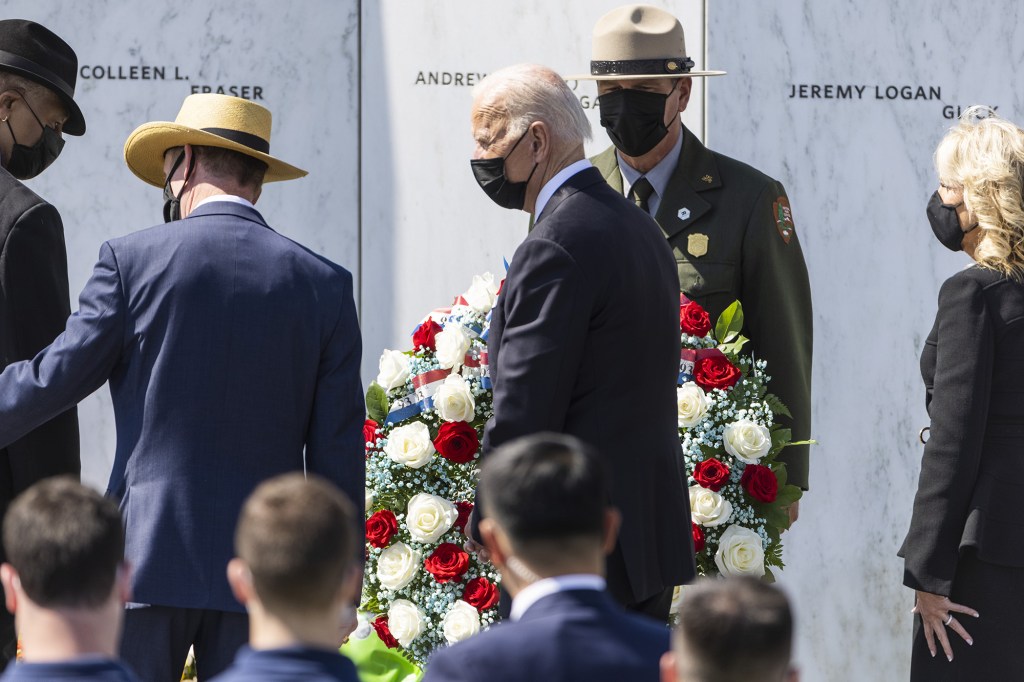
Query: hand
[936,614]
[794,512]
[478,549]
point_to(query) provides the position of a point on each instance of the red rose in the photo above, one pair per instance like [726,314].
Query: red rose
[481,593]
[369,431]
[465,509]
[380,626]
[760,482]
[424,335]
[448,562]
[381,527]
[698,538]
[457,442]
[693,319]
[711,474]
[715,371]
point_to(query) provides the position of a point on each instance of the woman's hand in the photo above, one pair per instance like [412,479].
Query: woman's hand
[936,614]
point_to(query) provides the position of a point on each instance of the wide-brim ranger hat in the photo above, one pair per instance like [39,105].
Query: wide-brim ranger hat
[639,41]
[208,120]
[35,52]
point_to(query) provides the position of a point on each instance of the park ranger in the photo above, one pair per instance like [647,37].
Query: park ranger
[730,226]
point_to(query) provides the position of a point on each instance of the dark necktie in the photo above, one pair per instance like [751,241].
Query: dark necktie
[640,192]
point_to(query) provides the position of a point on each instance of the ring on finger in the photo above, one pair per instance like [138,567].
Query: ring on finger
[949,620]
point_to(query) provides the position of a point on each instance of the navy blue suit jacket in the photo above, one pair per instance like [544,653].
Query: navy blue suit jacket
[574,635]
[232,355]
[85,669]
[584,340]
[290,664]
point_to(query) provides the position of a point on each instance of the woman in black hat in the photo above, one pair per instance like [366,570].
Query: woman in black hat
[37,84]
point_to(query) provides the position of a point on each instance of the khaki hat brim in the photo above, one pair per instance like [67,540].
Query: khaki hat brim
[145,147]
[624,77]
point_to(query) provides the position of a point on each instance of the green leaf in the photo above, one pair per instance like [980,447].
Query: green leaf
[788,494]
[769,577]
[779,469]
[780,438]
[731,320]
[777,406]
[377,405]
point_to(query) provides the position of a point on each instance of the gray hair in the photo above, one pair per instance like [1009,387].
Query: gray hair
[529,92]
[12,81]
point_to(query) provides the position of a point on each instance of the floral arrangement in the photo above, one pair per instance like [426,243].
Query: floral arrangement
[427,409]
[730,441]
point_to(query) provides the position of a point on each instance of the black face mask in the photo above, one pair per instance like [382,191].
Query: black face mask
[490,175]
[635,119]
[946,224]
[172,204]
[27,162]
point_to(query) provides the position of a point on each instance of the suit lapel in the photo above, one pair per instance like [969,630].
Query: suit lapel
[696,172]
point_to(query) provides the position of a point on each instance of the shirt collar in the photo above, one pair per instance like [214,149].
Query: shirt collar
[657,176]
[533,593]
[224,197]
[552,185]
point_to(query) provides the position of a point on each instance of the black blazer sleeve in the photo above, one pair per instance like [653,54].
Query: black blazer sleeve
[964,351]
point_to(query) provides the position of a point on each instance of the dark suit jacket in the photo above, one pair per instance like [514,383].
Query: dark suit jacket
[972,472]
[34,304]
[229,349]
[292,664]
[584,340]
[748,258]
[576,635]
[89,669]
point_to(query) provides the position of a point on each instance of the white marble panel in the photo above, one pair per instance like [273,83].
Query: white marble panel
[859,172]
[427,227]
[302,58]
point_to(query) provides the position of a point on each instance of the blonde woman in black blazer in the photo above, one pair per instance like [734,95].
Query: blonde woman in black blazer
[964,553]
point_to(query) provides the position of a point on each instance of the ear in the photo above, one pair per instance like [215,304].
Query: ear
[124,582]
[539,137]
[668,667]
[240,580]
[684,88]
[7,98]
[186,163]
[8,576]
[612,521]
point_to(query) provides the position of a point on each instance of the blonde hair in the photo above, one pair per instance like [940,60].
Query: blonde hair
[984,155]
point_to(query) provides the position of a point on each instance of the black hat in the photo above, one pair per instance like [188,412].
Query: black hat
[37,53]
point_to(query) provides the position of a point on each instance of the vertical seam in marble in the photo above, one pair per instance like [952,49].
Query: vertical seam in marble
[359,155]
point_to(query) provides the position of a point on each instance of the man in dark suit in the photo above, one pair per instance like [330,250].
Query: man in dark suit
[66,581]
[548,528]
[730,226]
[232,355]
[584,339]
[37,85]
[297,575]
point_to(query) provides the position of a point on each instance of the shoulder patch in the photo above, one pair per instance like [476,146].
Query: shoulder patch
[783,215]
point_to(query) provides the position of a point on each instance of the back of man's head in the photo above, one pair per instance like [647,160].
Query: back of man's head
[297,537]
[546,492]
[66,543]
[734,630]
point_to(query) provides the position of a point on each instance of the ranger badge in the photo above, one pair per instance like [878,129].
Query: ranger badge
[697,245]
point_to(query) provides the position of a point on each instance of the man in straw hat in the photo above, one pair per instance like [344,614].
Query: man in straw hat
[729,225]
[37,87]
[232,355]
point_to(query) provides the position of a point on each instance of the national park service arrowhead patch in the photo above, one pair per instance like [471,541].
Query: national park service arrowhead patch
[697,245]
[784,218]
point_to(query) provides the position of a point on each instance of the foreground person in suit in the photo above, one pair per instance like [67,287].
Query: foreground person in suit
[548,528]
[732,630]
[66,583]
[297,575]
[585,336]
[730,226]
[232,355]
[37,85]
[963,553]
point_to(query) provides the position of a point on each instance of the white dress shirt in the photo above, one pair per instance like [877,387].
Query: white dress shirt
[552,185]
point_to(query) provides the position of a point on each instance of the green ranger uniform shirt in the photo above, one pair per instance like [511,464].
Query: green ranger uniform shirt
[731,229]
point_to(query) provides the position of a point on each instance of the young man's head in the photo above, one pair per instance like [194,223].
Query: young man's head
[65,556]
[296,554]
[732,630]
[547,513]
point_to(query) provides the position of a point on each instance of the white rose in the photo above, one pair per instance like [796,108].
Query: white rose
[410,445]
[740,552]
[454,401]
[429,517]
[461,622]
[451,344]
[677,600]
[397,566]
[406,621]
[707,507]
[747,441]
[691,403]
[394,369]
[482,293]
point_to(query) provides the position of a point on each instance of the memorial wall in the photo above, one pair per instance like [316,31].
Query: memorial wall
[843,103]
